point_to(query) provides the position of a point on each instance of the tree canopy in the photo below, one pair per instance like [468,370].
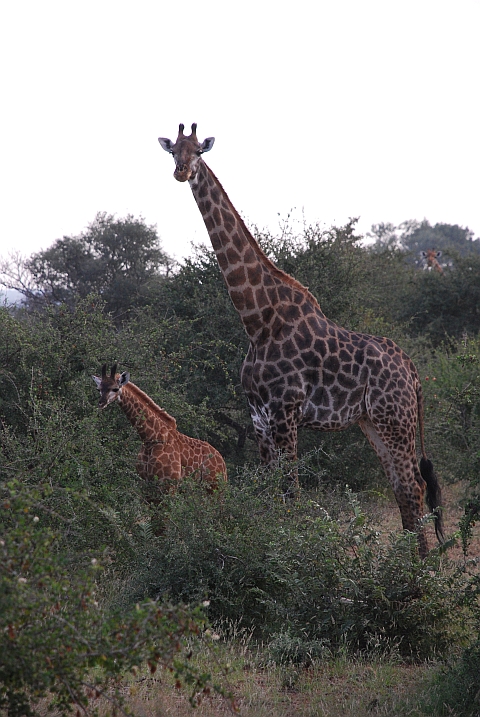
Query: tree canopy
[412,237]
[119,259]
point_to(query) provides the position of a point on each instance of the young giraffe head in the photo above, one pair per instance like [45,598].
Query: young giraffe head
[430,258]
[111,386]
[186,152]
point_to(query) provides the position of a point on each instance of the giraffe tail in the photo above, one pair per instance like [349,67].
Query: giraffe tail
[434,492]
[433,495]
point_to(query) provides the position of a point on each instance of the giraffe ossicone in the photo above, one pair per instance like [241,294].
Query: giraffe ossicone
[301,368]
[166,454]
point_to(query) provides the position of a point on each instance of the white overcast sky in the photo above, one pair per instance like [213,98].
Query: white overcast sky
[332,108]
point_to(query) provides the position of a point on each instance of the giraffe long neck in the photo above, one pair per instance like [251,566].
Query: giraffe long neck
[257,288]
[146,417]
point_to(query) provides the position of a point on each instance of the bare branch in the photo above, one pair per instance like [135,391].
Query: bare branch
[15,274]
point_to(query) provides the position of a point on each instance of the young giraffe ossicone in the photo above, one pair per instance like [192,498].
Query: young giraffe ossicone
[430,258]
[166,454]
[302,369]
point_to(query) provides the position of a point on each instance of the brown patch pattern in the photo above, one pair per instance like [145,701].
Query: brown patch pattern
[166,454]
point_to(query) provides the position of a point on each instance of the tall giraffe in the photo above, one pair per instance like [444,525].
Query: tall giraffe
[166,453]
[430,258]
[302,369]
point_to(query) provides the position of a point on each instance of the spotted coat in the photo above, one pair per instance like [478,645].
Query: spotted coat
[302,369]
[166,454]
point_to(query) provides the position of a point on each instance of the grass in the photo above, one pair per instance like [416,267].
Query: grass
[341,688]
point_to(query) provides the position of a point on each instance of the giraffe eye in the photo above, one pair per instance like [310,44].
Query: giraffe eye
[115,389]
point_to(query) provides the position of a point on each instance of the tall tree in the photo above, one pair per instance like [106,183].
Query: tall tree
[120,259]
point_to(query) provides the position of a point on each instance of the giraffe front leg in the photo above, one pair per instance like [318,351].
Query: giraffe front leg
[410,501]
[276,435]
[286,445]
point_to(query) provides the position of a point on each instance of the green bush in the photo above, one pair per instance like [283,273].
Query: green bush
[444,307]
[73,525]
[451,383]
[58,640]
[455,689]
[293,570]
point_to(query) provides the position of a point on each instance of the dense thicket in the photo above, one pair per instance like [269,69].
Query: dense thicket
[312,578]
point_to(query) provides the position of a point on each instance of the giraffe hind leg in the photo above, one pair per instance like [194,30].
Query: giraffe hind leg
[407,483]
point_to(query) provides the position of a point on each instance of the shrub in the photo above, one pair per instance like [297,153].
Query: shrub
[292,570]
[73,523]
[57,639]
[451,382]
[455,688]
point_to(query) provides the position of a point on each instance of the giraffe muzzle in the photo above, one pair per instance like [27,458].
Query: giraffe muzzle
[182,173]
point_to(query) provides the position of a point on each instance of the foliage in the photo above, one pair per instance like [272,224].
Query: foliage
[58,640]
[413,237]
[454,380]
[456,688]
[120,259]
[51,355]
[444,306]
[451,382]
[310,578]
[300,577]
[438,307]
[190,354]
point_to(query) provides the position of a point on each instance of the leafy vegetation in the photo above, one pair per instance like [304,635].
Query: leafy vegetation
[97,581]
[307,583]
[121,259]
[59,639]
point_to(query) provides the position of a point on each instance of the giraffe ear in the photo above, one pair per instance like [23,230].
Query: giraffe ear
[98,381]
[167,144]
[124,378]
[438,254]
[207,144]
[423,253]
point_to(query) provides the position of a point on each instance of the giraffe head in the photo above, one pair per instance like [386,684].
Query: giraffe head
[186,152]
[431,254]
[111,386]
[430,258]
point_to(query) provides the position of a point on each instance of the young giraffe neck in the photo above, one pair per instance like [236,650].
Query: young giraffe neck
[257,288]
[143,413]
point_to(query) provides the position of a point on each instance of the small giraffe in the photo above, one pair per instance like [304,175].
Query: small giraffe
[430,258]
[166,453]
[302,369]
